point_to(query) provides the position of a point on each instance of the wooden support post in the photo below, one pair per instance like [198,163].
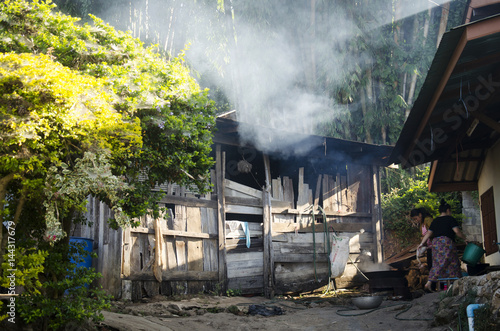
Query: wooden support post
[126,251]
[318,191]
[158,264]
[377,227]
[267,220]
[221,215]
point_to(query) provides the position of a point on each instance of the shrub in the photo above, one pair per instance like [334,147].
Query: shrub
[407,191]
[55,289]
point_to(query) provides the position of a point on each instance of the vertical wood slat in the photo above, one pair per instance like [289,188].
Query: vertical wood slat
[318,190]
[171,254]
[268,249]
[288,191]
[377,227]
[325,191]
[134,254]
[180,243]
[337,205]
[158,265]
[113,283]
[194,246]
[102,248]
[209,225]
[221,215]
[344,193]
[127,250]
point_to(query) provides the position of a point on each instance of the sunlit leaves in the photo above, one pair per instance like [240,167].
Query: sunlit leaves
[96,90]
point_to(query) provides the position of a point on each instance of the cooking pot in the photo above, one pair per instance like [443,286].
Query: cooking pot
[369,302]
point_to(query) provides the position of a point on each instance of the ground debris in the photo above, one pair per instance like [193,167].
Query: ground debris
[265,311]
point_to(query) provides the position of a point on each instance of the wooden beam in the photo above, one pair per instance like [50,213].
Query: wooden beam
[267,223]
[483,28]
[186,234]
[251,192]
[188,202]
[475,64]
[222,139]
[432,174]
[304,227]
[318,191]
[176,276]
[126,251]
[220,169]
[462,159]
[377,225]
[458,186]
[238,209]
[159,251]
[189,234]
[252,202]
[486,120]
[300,258]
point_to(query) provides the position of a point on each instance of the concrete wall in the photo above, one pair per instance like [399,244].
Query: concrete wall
[472,221]
[490,176]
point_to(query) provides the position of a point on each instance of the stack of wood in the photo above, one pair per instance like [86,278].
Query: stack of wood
[418,273]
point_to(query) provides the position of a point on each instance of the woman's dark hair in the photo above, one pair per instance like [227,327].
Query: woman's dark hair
[444,206]
[414,212]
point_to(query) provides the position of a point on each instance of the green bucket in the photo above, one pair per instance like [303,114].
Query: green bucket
[472,254]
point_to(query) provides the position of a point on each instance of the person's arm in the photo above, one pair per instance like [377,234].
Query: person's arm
[459,233]
[425,238]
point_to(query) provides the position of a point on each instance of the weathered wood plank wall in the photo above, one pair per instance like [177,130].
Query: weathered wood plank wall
[299,243]
[193,248]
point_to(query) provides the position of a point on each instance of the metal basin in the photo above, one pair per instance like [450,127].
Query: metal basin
[369,302]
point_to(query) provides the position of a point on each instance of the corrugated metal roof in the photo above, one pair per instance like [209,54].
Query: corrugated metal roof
[283,144]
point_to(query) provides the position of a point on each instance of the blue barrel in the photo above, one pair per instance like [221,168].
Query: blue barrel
[89,245]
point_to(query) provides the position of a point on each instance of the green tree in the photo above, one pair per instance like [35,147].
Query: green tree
[148,112]
[87,110]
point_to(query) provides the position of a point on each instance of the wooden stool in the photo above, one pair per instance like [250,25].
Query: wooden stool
[447,281]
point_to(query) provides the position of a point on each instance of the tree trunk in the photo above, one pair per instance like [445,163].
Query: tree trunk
[366,123]
[383,132]
[413,83]
[313,41]
[445,9]
[397,17]
[365,104]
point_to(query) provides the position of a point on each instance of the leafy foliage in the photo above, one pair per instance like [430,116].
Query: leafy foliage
[86,110]
[55,288]
[124,98]
[408,191]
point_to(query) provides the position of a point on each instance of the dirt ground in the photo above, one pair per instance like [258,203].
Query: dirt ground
[306,313]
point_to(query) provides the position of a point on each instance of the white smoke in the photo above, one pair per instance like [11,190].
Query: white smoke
[265,72]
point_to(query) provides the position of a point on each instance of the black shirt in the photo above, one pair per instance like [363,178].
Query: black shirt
[443,226]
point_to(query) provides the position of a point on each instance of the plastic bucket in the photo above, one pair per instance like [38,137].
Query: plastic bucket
[472,254]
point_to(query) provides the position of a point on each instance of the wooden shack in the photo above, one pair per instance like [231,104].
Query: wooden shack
[264,228]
